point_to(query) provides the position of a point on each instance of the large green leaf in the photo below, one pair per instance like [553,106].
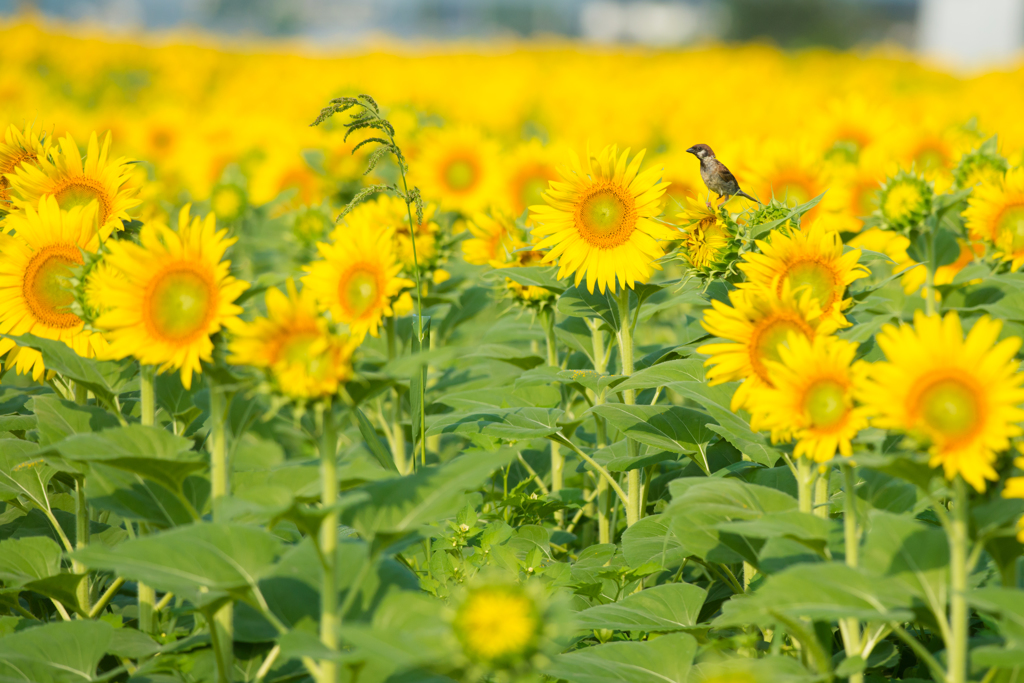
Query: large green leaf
[106,378]
[681,370]
[699,506]
[662,660]
[580,303]
[23,472]
[201,561]
[27,559]
[652,541]
[733,428]
[533,276]
[819,591]
[1007,604]
[63,652]
[912,555]
[133,496]
[670,607]
[59,419]
[673,428]
[430,494]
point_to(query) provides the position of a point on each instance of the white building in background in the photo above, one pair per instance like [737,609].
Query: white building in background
[971,34]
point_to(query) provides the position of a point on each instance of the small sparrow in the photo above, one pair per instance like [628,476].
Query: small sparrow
[716,176]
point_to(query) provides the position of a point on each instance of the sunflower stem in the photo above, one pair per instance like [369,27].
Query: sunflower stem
[547,315]
[625,337]
[81,515]
[222,621]
[329,542]
[604,498]
[821,504]
[419,299]
[958,573]
[805,484]
[398,434]
[851,536]
[147,399]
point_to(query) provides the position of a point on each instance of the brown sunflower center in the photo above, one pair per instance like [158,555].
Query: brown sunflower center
[180,303]
[1010,227]
[461,174]
[825,403]
[607,216]
[359,290]
[45,285]
[948,406]
[769,335]
[79,191]
[816,276]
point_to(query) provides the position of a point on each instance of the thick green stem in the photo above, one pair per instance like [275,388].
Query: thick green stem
[821,503]
[398,434]
[805,484]
[219,487]
[81,541]
[958,573]
[557,458]
[147,401]
[329,544]
[604,497]
[419,301]
[625,336]
[930,301]
[851,536]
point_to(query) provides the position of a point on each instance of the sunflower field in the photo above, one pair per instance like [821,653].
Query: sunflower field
[474,380]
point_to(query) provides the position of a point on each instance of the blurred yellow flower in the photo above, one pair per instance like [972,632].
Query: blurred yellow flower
[962,394]
[357,278]
[19,147]
[498,624]
[995,213]
[75,181]
[167,295]
[459,167]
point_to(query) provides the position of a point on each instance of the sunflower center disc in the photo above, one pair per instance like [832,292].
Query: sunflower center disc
[532,189]
[950,407]
[80,192]
[180,304]
[825,402]
[766,344]
[1011,224]
[817,278]
[296,347]
[359,293]
[460,175]
[496,625]
[46,286]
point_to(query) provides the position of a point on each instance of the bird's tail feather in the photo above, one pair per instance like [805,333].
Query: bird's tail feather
[744,194]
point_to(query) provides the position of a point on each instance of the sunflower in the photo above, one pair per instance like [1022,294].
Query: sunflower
[390,213]
[905,200]
[459,168]
[357,279]
[526,294]
[995,213]
[17,148]
[810,397]
[706,237]
[529,169]
[293,343]
[982,165]
[960,394]
[792,174]
[599,220]
[163,298]
[811,257]
[35,292]
[498,624]
[76,182]
[494,239]
[758,321]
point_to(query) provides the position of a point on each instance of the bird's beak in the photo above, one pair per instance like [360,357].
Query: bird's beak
[691,151]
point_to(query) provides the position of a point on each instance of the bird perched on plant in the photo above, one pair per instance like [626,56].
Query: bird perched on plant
[716,176]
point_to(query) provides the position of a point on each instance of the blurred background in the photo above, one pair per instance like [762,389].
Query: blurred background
[964,34]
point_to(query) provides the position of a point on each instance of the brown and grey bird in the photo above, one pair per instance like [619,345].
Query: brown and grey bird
[716,176]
